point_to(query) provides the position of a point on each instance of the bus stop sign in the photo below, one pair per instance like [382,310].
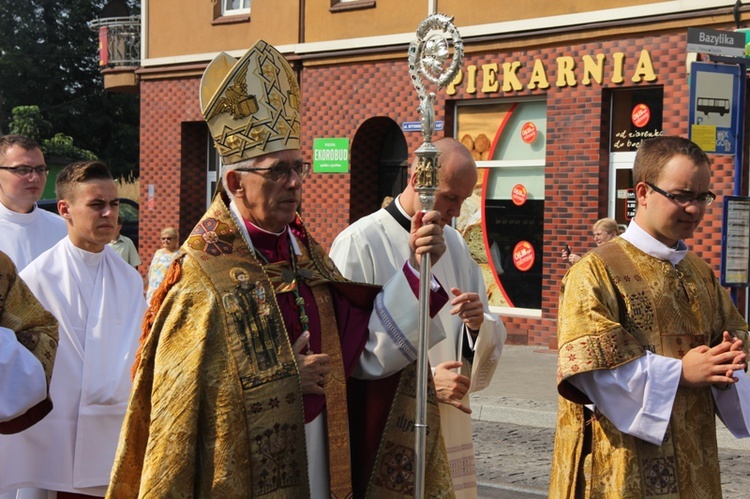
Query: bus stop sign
[714,106]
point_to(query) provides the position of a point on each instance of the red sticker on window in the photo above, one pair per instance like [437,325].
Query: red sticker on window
[641,115]
[523,256]
[519,195]
[528,132]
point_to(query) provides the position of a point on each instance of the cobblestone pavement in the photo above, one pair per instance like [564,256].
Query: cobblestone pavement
[514,461]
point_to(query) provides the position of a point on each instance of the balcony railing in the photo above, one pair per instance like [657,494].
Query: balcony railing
[119,41]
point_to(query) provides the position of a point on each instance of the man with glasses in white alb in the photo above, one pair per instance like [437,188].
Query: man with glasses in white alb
[27,230]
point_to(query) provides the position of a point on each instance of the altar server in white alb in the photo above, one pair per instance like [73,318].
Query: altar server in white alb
[372,250]
[27,230]
[97,299]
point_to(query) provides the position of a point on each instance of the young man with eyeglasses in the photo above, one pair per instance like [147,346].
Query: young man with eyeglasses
[649,343]
[243,387]
[27,231]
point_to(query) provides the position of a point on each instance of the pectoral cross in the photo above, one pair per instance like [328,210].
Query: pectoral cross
[289,276]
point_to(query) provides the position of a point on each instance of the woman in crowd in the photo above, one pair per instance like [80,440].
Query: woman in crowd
[163,257]
[604,230]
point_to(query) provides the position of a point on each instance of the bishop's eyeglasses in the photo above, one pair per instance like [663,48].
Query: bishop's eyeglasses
[280,172]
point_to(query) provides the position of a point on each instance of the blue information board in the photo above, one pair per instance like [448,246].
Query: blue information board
[714,106]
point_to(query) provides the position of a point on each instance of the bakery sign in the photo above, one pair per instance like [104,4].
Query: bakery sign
[641,115]
[513,76]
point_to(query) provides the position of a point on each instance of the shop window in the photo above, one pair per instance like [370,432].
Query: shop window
[503,222]
[636,115]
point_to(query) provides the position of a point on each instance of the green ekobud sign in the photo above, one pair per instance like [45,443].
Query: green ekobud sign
[331,155]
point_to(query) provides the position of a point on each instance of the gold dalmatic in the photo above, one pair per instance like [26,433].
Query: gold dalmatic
[35,329]
[616,304]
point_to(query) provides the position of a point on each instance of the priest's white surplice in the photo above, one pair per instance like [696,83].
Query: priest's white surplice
[97,299]
[372,250]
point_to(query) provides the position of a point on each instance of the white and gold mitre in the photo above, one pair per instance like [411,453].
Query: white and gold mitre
[251,105]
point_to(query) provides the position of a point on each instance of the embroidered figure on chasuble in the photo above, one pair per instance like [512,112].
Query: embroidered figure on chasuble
[248,303]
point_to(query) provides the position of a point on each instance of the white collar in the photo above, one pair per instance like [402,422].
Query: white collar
[647,243]
[86,257]
[16,217]
[401,208]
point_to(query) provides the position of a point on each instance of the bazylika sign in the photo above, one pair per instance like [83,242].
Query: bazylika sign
[711,41]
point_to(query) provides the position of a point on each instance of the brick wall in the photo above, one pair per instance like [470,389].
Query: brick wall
[362,101]
[337,102]
[172,160]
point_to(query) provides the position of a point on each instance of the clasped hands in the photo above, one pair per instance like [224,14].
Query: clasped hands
[569,257]
[705,366]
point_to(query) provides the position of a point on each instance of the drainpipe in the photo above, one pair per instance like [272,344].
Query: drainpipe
[144,30]
[301,31]
[431,7]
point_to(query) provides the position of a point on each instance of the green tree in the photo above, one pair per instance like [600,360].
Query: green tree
[49,59]
[61,146]
[28,120]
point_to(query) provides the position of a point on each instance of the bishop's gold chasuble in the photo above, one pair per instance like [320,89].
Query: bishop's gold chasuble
[217,408]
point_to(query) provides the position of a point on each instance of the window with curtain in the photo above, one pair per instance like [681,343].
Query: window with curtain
[342,5]
[234,7]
